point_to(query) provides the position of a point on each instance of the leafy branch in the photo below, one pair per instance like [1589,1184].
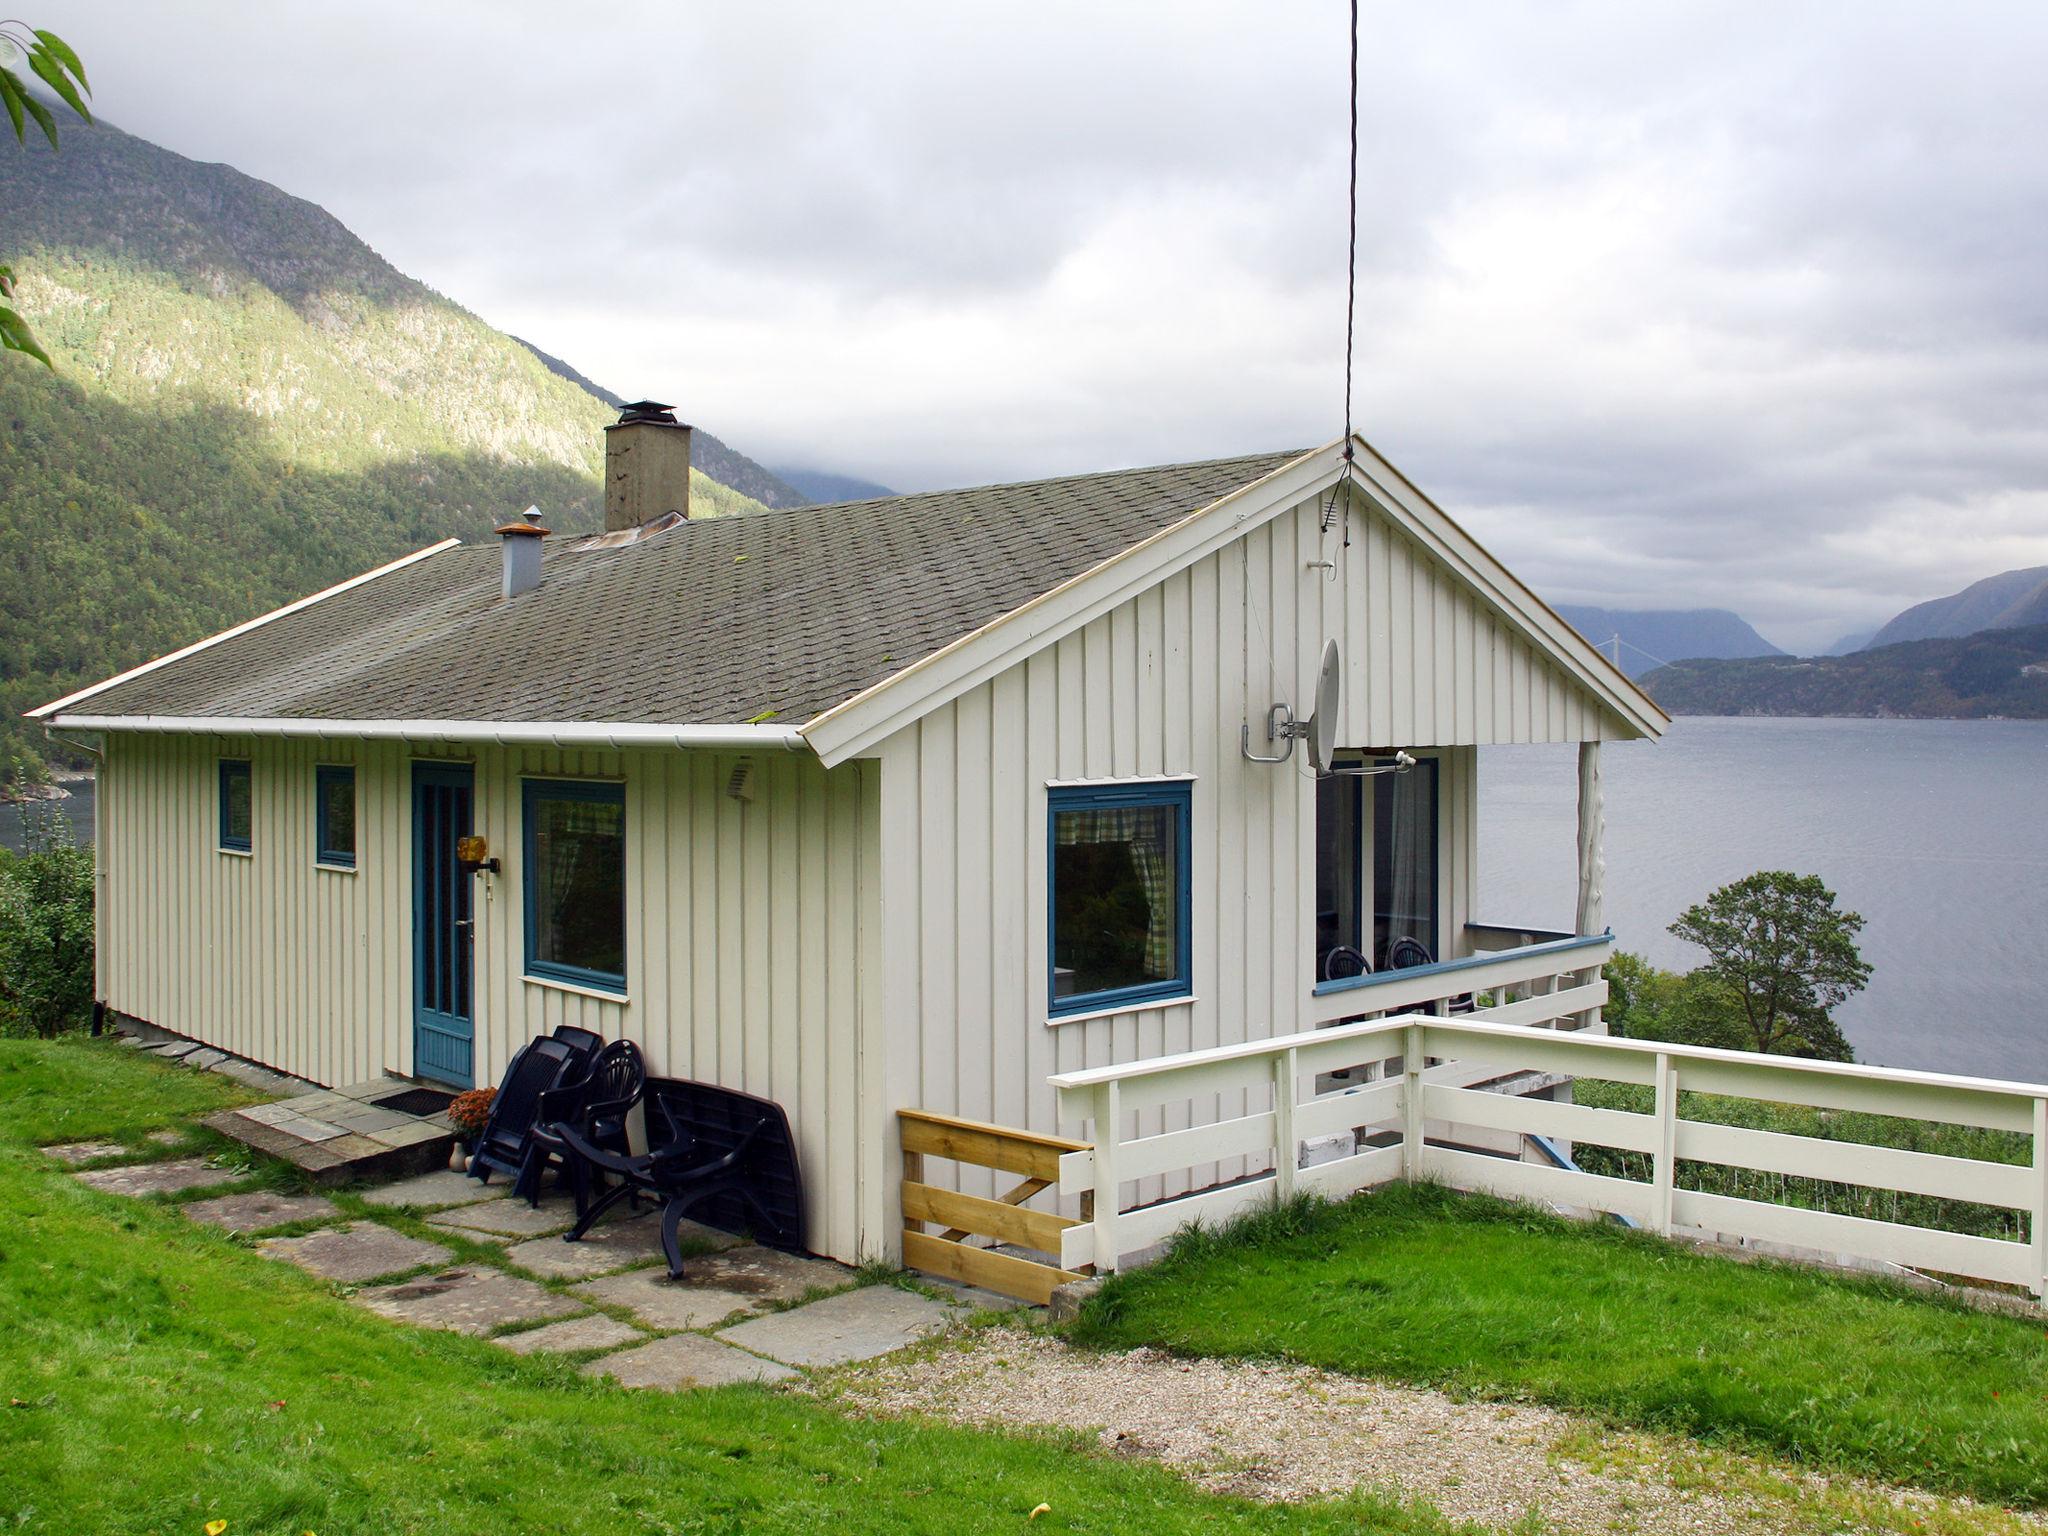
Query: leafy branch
[51,60]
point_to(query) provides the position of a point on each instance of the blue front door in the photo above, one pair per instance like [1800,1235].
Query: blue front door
[443,985]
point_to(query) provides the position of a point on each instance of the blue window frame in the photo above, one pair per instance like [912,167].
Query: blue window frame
[1117,891]
[236,806]
[574,880]
[334,816]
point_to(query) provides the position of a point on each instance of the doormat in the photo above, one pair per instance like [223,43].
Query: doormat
[417,1101]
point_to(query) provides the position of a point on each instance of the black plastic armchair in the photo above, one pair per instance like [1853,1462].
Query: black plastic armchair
[726,1159]
[539,1066]
[596,1107]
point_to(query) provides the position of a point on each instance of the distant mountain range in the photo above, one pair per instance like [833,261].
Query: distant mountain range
[1994,673]
[1641,640]
[820,485]
[2009,600]
[249,404]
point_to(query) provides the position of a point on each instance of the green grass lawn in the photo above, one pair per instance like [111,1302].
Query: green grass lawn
[1422,1285]
[155,1376]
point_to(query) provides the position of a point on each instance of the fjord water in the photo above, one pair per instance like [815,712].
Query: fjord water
[1935,830]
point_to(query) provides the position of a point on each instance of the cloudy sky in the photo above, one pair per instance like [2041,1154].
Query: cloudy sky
[1721,304]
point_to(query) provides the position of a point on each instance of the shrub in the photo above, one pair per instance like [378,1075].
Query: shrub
[46,930]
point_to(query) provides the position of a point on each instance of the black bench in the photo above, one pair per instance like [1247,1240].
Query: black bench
[714,1155]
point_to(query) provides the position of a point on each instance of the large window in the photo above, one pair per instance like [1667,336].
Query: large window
[236,806]
[1404,865]
[1340,880]
[575,882]
[1118,860]
[334,816]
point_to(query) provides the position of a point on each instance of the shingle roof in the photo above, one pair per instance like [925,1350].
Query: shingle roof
[715,622]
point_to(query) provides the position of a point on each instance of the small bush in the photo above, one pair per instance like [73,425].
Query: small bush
[46,930]
[471,1112]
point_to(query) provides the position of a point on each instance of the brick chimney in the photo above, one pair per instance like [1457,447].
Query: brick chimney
[646,466]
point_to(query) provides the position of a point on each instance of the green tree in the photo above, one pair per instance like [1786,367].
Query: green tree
[46,930]
[53,62]
[1645,1002]
[1786,957]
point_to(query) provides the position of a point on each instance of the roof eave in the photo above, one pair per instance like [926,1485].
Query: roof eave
[614,735]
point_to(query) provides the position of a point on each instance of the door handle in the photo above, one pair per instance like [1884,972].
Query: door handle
[465,923]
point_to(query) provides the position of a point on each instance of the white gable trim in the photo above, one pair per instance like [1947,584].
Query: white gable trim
[865,720]
[44,711]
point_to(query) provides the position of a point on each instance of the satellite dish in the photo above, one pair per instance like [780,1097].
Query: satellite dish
[1322,724]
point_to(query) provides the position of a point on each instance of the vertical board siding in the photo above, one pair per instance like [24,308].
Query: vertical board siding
[1160,685]
[743,924]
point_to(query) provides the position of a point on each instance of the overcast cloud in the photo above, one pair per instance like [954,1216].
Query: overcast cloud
[1673,305]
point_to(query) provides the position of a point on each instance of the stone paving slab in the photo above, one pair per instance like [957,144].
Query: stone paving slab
[444,1186]
[358,1252]
[157,1178]
[593,1332]
[472,1301]
[714,1288]
[205,1057]
[72,1153]
[962,1294]
[259,1210]
[685,1360]
[854,1325]
[303,1127]
[611,1246]
[368,1118]
[176,1050]
[268,1114]
[412,1133]
[372,1088]
[508,1218]
[260,1078]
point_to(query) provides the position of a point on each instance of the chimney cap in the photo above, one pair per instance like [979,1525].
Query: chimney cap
[648,411]
[531,527]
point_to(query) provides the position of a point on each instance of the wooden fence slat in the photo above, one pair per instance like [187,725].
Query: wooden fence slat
[980,1266]
[986,1218]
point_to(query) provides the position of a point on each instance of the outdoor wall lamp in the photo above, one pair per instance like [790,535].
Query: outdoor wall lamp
[473,854]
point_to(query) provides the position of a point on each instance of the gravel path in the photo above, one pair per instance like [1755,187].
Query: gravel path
[1288,1432]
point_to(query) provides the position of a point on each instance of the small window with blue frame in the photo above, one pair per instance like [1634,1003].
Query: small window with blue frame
[236,806]
[575,882]
[1119,893]
[334,812]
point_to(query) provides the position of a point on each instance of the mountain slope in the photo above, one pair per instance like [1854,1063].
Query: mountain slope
[1996,672]
[1652,637]
[2006,601]
[249,404]
[822,485]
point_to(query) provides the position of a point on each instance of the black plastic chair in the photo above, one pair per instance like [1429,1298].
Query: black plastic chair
[539,1066]
[1407,952]
[597,1106]
[726,1159]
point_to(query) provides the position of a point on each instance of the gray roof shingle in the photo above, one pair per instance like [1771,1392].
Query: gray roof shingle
[716,622]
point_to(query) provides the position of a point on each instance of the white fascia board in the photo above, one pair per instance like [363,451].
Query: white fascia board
[871,716]
[45,711]
[563,733]
[1402,500]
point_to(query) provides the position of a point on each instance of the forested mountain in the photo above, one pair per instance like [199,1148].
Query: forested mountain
[2009,600]
[249,404]
[1651,637]
[1997,672]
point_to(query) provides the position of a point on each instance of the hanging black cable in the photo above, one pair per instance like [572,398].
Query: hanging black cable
[1351,251]
[1329,516]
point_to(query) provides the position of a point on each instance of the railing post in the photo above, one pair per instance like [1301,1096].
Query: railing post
[1411,1103]
[2039,1225]
[1286,1150]
[1109,1130]
[1667,1145]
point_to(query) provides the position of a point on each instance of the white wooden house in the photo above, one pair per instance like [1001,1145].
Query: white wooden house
[897,804]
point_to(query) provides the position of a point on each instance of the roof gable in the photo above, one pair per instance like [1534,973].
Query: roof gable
[858,725]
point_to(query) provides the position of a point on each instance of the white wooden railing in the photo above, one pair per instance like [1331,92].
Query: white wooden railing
[1530,974]
[1408,1112]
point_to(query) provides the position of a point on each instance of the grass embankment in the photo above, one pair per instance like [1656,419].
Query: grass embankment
[160,1375]
[1479,1296]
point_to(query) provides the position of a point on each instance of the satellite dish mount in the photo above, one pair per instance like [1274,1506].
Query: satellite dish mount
[1319,730]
